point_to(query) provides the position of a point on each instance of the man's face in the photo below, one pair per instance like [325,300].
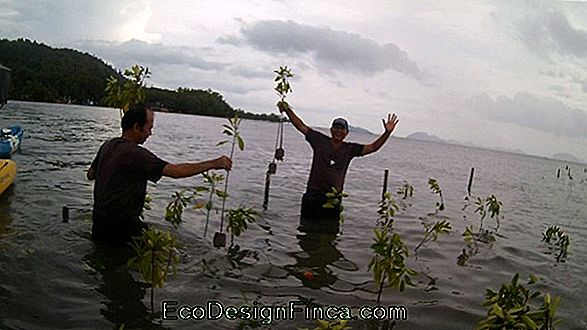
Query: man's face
[146,130]
[338,132]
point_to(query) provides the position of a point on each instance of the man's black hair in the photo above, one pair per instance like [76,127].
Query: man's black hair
[136,114]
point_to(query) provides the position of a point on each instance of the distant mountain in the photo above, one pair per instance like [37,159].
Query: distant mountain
[359,130]
[567,158]
[421,136]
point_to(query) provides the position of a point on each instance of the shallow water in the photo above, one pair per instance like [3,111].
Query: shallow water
[53,277]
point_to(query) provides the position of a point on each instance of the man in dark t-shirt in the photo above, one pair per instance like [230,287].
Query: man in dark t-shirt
[121,170]
[330,160]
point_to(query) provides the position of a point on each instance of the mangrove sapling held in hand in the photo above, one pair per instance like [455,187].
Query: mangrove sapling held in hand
[232,129]
[282,88]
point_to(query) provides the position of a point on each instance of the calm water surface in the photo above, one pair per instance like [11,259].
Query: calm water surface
[53,277]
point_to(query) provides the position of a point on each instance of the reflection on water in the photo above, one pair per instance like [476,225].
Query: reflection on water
[122,295]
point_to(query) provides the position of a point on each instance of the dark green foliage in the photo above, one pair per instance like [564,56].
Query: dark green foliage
[558,241]
[237,221]
[510,308]
[435,188]
[44,74]
[334,200]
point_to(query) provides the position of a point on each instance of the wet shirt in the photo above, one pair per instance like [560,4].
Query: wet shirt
[329,166]
[122,170]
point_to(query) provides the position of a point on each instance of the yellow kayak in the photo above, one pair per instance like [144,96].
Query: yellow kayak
[7,173]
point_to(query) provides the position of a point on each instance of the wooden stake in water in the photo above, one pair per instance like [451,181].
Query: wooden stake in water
[470,181]
[385,176]
[558,173]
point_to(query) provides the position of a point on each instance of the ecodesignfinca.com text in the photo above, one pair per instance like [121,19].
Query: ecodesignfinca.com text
[214,310]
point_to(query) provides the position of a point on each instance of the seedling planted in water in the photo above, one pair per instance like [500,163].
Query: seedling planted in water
[156,257]
[435,188]
[232,129]
[390,253]
[510,308]
[558,241]
[334,201]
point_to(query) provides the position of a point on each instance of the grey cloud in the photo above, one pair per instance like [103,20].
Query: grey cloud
[136,51]
[527,110]
[550,32]
[336,50]
[58,21]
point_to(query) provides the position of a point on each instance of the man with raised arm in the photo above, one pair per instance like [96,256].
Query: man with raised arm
[121,170]
[330,160]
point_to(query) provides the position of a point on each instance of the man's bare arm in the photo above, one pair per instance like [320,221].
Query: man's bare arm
[389,126]
[295,120]
[185,170]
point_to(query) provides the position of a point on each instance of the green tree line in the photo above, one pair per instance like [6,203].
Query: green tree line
[40,73]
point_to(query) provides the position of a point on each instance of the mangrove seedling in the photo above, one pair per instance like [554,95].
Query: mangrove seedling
[389,262]
[237,221]
[156,256]
[407,190]
[431,232]
[232,129]
[211,182]
[132,92]
[510,308]
[179,202]
[558,241]
[492,206]
[334,201]
[386,211]
[435,188]
[283,87]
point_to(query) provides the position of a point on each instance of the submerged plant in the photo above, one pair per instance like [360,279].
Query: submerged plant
[431,232]
[156,256]
[237,221]
[510,308]
[557,240]
[334,201]
[406,190]
[180,200]
[435,188]
[490,206]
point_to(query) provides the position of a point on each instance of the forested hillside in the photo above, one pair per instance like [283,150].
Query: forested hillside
[40,73]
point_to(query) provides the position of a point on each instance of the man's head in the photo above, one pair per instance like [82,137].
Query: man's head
[339,129]
[137,123]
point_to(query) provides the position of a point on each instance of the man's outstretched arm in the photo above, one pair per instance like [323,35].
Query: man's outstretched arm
[389,126]
[295,120]
[185,170]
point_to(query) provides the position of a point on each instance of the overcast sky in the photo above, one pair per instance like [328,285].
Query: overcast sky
[508,74]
